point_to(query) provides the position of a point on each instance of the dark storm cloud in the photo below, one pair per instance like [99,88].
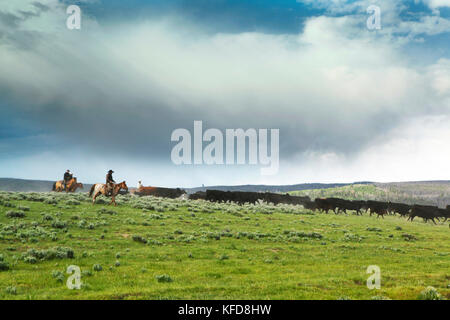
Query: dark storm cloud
[42,7]
[11,31]
[123,90]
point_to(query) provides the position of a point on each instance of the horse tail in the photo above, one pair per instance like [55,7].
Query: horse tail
[92,190]
[54,186]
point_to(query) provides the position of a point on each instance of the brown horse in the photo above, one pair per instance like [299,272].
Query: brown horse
[99,188]
[76,186]
[71,186]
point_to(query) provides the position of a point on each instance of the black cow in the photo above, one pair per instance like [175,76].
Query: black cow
[359,205]
[199,195]
[310,205]
[325,205]
[400,208]
[277,198]
[425,212]
[378,207]
[239,197]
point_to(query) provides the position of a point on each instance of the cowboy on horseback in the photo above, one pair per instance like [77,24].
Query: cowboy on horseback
[67,177]
[109,182]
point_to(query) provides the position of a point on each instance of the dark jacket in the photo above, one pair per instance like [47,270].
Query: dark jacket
[109,178]
[67,176]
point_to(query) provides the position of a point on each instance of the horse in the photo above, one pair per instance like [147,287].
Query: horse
[100,188]
[76,186]
[71,185]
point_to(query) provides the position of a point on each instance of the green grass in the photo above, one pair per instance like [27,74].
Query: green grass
[197,250]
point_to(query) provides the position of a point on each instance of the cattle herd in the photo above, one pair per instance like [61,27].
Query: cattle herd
[326,205]
[335,205]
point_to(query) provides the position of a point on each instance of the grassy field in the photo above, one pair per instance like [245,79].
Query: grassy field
[150,248]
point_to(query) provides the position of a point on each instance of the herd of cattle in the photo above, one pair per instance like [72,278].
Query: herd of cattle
[326,205]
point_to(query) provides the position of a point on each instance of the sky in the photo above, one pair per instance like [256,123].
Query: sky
[350,103]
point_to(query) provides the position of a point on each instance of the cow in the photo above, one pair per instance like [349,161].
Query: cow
[425,212]
[325,205]
[297,200]
[216,196]
[378,207]
[240,197]
[446,214]
[309,205]
[343,205]
[160,192]
[400,208]
[199,195]
[359,205]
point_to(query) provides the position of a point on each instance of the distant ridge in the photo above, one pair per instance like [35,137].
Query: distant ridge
[276,188]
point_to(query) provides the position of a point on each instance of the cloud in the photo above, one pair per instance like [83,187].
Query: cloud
[434,4]
[119,90]
[415,150]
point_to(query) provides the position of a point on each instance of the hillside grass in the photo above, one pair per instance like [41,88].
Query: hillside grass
[351,192]
[198,250]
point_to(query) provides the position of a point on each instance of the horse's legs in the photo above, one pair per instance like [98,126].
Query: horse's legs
[113,200]
[94,197]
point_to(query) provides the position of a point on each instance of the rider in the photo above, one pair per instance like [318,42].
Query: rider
[109,182]
[67,177]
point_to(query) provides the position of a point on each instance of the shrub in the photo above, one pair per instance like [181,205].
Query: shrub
[47,217]
[33,255]
[87,273]
[15,214]
[58,224]
[9,205]
[11,290]
[73,202]
[430,293]
[97,267]
[4,266]
[30,259]
[139,239]
[164,278]
[101,201]
[107,211]
[409,237]
[58,275]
